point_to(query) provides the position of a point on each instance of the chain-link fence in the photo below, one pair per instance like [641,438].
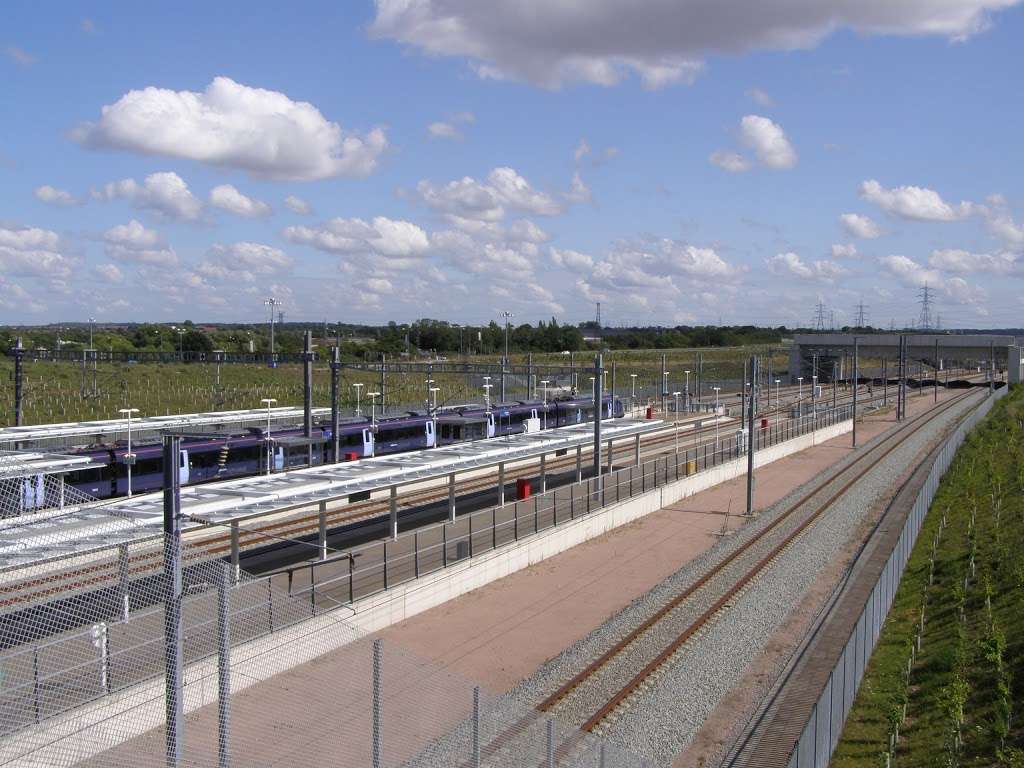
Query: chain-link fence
[265,679]
[367,570]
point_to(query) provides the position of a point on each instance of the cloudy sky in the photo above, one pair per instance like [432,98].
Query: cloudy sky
[679,161]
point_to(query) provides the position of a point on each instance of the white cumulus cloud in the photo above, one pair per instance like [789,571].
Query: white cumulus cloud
[33,252]
[957,260]
[570,259]
[844,251]
[55,196]
[733,162]
[916,203]
[297,205]
[233,125]
[860,226]
[467,198]
[399,244]
[910,272]
[790,264]
[227,198]
[164,193]
[134,242]
[768,141]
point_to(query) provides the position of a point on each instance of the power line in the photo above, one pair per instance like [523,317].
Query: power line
[861,320]
[924,321]
[819,316]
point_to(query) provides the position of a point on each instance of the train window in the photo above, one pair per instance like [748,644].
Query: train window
[83,476]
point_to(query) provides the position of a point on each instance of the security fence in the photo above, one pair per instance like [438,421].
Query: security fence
[263,682]
[381,565]
[824,726]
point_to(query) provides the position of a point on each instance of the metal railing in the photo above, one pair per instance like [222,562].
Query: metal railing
[378,566]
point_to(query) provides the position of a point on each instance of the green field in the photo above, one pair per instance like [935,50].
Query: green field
[63,391]
[960,704]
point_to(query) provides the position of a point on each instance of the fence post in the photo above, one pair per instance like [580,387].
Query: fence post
[377,706]
[224,667]
[35,679]
[476,726]
[122,559]
[551,742]
[494,527]
[351,579]
[173,656]
[416,552]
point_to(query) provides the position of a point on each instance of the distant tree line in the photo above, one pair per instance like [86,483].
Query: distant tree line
[423,337]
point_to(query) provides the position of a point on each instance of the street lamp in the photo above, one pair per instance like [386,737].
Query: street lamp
[717,389]
[676,396]
[433,392]
[686,400]
[271,302]
[487,393]
[544,385]
[799,391]
[91,321]
[358,387]
[778,403]
[129,458]
[507,316]
[181,342]
[373,409]
[268,401]
[428,382]
[814,392]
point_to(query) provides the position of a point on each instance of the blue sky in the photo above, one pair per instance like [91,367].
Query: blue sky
[679,162]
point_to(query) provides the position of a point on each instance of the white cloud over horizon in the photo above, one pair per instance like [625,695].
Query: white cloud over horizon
[233,125]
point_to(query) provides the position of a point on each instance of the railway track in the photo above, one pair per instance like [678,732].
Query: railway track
[104,573]
[591,699]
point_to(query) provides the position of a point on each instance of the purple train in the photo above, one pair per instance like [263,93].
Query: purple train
[221,457]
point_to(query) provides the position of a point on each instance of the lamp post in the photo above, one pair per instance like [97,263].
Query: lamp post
[358,386]
[129,458]
[487,393]
[717,390]
[181,343]
[271,302]
[778,403]
[428,382]
[686,400]
[433,411]
[268,401]
[544,386]
[373,409]
[799,391]
[91,321]
[632,391]
[814,393]
[676,396]
[664,387]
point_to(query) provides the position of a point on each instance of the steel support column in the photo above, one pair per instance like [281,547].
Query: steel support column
[322,530]
[224,668]
[451,497]
[174,715]
[307,395]
[543,473]
[598,408]
[501,484]
[393,513]
[637,449]
[236,571]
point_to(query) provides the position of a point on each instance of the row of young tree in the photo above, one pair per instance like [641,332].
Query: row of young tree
[434,337]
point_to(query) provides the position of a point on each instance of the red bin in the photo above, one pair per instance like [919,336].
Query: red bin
[650,411]
[522,488]
[351,456]
[764,425]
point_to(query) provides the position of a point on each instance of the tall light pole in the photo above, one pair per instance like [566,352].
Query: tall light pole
[717,390]
[632,391]
[504,361]
[686,400]
[129,458]
[544,385]
[91,321]
[272,303]
[664,388]
[358,386]
[814,394]
[268,401]
[373,409]
[799,394]
[433,411]
[428,382]
[676,396]
[778,403]
[181,343]
[487,393]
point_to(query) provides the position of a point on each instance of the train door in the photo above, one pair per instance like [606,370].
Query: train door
[579,415]
[490,424]
[608,410]
[431,439]
[33,492]
[367,442]
[279,458]
[183,468]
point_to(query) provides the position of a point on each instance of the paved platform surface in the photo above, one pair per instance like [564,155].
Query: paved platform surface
[500,634]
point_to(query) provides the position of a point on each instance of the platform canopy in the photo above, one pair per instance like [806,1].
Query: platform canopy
[31,464]
[73,433]
[141,517]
